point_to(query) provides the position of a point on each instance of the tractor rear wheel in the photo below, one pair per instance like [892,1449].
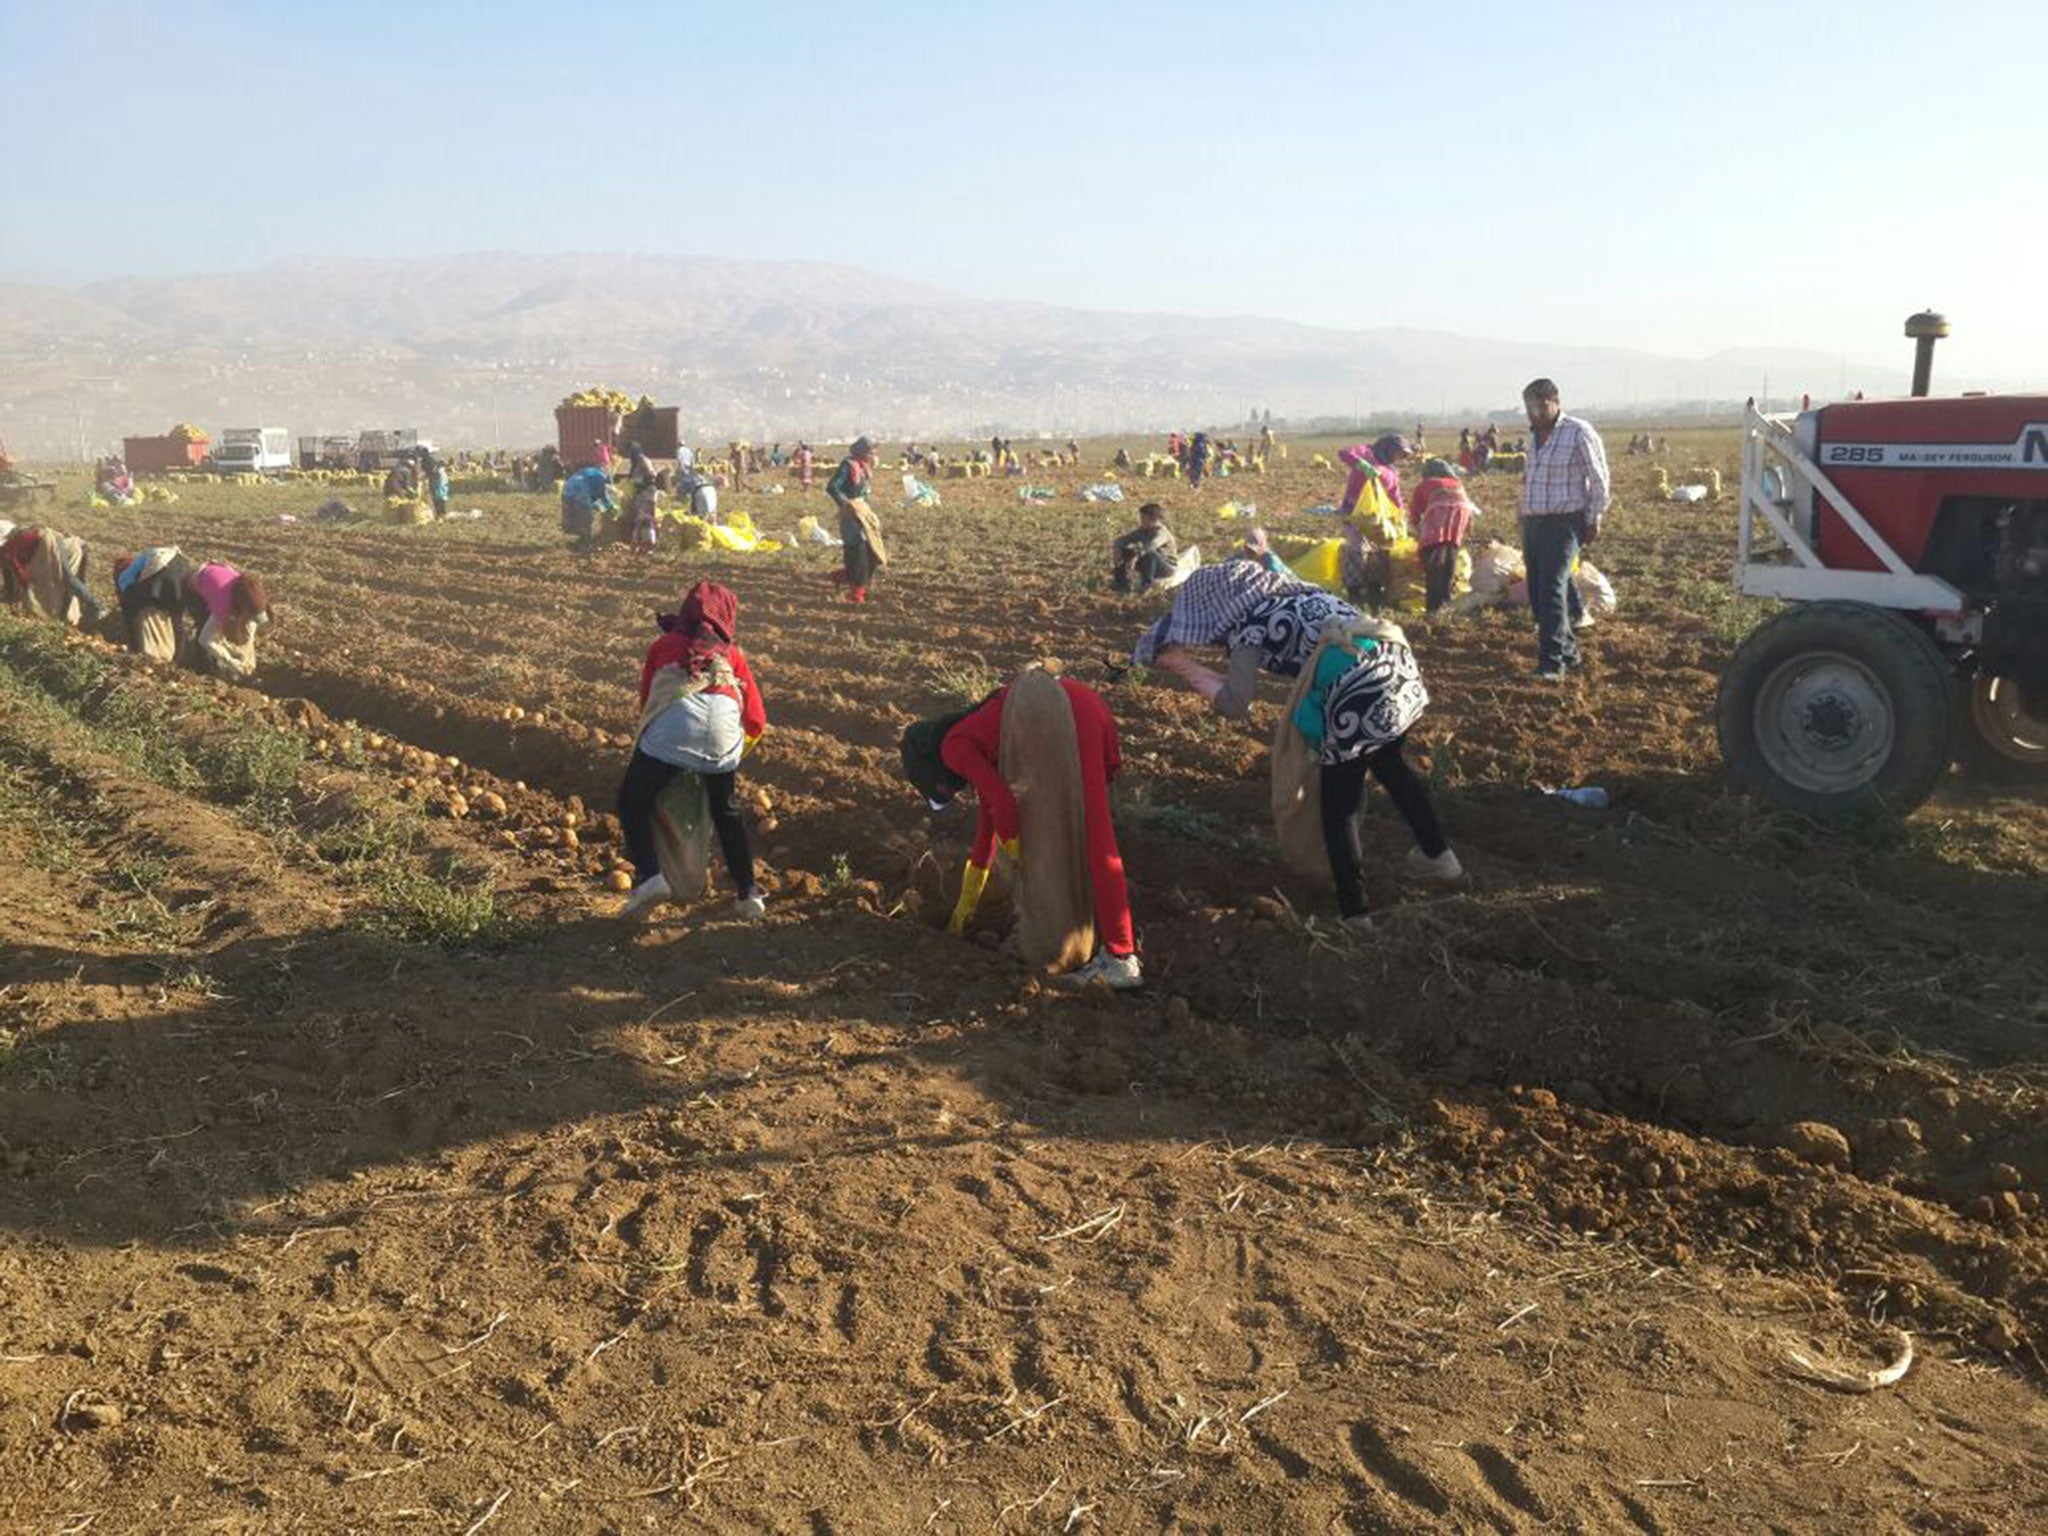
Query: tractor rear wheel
[1838,711]
[2004,730]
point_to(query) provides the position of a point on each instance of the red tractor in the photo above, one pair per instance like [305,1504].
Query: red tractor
[1911,540]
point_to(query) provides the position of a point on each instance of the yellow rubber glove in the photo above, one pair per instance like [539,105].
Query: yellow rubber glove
[748,744]
[972,880]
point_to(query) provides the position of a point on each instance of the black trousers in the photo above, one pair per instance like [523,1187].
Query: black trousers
[1343,786]
[1439,574]
[646,777]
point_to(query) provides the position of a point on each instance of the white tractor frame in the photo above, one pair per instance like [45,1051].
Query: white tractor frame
[1780,482]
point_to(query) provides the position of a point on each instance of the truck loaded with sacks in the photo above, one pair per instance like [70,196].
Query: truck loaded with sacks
[1909,539]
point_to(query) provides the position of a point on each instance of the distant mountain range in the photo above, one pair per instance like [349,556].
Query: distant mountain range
[476,350]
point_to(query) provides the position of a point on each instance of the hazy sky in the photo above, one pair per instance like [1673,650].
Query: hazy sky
[1676,177]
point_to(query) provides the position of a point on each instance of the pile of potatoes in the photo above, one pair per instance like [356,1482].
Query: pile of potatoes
[441,784]
[582,735]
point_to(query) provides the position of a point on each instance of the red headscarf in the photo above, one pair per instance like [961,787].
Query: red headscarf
[709,616]
[18,550]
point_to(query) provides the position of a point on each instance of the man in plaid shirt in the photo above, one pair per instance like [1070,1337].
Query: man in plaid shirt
[1563,497]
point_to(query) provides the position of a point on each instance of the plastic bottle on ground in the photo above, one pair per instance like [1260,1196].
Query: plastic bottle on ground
[1591,797]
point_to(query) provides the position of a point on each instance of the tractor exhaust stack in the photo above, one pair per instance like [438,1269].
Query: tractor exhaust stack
[1926,328]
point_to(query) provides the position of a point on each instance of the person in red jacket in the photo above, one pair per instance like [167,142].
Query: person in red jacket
[955,752]
[700,711]
[1438,521]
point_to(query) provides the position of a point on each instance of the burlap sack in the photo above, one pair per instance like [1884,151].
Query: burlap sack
[1298,786]
[49,595]
[682,837]
[1041,761]
[871,526]
[1297,766]
[158,635]
[215,653]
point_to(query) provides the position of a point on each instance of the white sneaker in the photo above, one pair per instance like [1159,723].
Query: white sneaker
[1444,866]
[1584,621]
[644,895]
[1120,973]
[751,908]
[1358,922]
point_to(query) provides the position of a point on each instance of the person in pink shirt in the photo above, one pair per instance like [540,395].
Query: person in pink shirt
[228,606]
[601,455]
[1380,459]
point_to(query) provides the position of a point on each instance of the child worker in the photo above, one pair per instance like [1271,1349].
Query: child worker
[1438,520]
[643,523]
[860,530]
[1350,715]
[1039,754]
[700,711]
[584,494]
[1146,554]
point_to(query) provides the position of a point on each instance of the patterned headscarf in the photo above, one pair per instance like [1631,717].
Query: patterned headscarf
[1211,603]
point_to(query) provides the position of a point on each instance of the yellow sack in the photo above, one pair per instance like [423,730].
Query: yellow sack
[1404,576]
[739,535]
[691,532]
[1322,563]
[1376,516]
[743,543]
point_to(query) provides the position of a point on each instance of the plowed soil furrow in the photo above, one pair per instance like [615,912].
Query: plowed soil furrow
[1663,1071]
[1498,1214]
[1572,940]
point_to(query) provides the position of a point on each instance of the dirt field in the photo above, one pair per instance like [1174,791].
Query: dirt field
[357,1173]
